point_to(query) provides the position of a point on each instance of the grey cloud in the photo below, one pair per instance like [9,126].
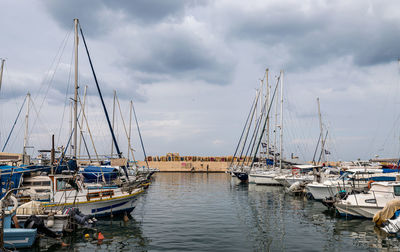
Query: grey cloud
[178,54]
[101,16]
[320,34]
[163,53]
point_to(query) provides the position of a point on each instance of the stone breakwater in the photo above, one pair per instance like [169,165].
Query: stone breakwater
[187,166]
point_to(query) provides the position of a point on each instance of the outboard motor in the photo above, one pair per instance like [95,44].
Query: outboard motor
[79,217]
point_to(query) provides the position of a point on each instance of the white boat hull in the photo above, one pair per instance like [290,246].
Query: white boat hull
[291,180]
[321,191]
[103,207]
[357,210]
[263,179]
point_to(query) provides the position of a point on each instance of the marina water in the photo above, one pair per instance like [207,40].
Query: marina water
[214,212]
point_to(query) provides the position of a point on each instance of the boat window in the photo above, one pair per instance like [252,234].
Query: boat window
[63,185]
[397,190]
[93,195]
[46,183]
[42,190]
[107,193]
[36,183]
[370,201]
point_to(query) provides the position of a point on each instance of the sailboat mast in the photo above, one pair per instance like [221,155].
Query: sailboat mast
[281,124]
[322,133]
[28,95]
[262,114]
[70,122]
[130,128]
[275,131]
[1,71]
[113,122]
[267,97]
[76,89]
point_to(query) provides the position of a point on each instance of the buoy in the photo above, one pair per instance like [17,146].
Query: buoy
[126,218]
[369,184]
[50,221]
[87,235]
[100,236]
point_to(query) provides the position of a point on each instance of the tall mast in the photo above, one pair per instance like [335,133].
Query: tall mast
[76,89]
[1,71]
[104,106]
[130,128]
[322,132]
[113,122]
[275,131]
[281,124]
[267,97]
[70,123]
[261,115]
[28,95]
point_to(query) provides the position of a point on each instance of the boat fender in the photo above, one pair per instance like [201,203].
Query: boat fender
[50,221]
[369,183]
[15,205]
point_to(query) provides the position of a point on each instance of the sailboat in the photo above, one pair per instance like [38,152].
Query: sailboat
[267,175]
[69,189]
[242,171]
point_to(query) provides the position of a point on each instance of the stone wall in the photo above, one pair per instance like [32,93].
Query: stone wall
[185,166]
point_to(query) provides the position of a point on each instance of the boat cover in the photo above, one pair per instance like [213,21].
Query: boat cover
[387,212]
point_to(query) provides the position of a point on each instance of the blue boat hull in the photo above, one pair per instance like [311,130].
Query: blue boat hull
[19,238]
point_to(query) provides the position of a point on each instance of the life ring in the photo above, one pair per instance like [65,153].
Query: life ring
[15,203]
[369,183]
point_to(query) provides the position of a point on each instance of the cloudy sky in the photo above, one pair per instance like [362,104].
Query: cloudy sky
[192,67]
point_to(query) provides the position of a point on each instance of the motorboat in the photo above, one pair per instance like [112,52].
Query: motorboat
[369,203]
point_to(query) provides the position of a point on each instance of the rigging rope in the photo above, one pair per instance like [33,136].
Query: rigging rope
[16,119]
[265,122]
[50,81]
[140,136]
[241,136]
[102,102]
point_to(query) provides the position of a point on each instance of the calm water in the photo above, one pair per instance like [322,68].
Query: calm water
[213,212]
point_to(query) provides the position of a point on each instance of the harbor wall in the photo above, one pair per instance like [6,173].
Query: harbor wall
[185,166]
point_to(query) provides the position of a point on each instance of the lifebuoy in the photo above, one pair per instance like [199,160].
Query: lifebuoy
[369,183]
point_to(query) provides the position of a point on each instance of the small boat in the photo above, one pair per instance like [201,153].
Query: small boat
[349,180]
[300,173]
[56,221]
[91,199]
[16,237]
[368,204]
[268,177]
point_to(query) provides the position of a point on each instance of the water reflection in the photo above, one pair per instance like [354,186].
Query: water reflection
[283,222]
[214,212]
[119,235]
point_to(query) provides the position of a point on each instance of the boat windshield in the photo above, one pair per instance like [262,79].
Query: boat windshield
[397,190]
[63,185]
